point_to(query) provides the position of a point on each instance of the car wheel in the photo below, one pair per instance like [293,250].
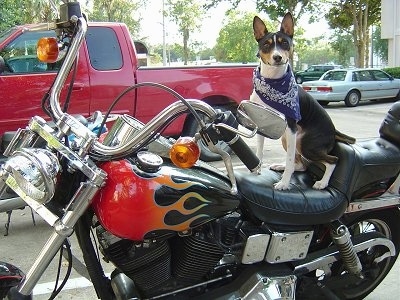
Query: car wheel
[352,98]
[192,127]
[299,80]
[323,103]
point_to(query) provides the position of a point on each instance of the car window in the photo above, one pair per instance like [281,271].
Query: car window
[20,54]
[104,49]
[379,75]
[336,75]
[365,75]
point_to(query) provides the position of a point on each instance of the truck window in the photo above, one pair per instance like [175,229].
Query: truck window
[104,49]
[20,54]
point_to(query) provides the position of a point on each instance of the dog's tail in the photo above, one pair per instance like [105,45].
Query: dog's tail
[341,137]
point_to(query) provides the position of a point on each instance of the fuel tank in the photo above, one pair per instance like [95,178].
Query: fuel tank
[136,204]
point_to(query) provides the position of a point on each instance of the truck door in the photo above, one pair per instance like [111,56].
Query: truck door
[24,80]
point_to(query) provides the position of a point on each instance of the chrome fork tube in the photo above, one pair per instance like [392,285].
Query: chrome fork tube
[62,230]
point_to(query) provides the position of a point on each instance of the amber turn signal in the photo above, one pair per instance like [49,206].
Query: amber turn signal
[185,152]
[47,49]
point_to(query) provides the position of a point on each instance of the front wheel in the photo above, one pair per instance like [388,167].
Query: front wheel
[352,98]
[192,127]
[374,270]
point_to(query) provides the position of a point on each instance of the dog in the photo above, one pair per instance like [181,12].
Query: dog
[310,132]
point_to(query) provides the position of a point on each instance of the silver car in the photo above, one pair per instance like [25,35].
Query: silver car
[353,86]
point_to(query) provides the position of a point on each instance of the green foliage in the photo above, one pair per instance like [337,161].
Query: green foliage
[380,46]
[187,14]
[116,11]
[236,42]
[355,17]
[395,72]
[18,12]
[343,45]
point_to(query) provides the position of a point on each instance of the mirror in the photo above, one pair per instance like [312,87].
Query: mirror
[269,122]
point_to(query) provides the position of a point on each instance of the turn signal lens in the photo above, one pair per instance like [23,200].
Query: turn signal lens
[47,49]
[185,152]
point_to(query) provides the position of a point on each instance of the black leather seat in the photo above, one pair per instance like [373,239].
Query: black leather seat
[300,205]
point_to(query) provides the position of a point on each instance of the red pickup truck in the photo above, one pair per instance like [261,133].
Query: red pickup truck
[108,63]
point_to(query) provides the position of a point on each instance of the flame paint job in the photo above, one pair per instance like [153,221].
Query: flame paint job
[135,205]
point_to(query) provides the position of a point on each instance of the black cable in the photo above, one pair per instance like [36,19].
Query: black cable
[153,84]
[57,290]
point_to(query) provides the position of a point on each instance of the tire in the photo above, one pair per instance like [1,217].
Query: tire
[345,286]
[299,79]
[323,103]
[352,98]
[192,127]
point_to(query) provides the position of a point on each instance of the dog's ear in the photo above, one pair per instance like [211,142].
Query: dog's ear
[287,25]
[259,28]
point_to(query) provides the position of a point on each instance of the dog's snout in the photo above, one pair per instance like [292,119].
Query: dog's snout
[277,58]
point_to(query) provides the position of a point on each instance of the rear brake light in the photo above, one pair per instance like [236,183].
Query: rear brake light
[324,89]
[306,88]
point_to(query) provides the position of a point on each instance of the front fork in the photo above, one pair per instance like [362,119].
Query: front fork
[78,206]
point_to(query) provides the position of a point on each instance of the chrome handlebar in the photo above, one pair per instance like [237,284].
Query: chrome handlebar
[68,124]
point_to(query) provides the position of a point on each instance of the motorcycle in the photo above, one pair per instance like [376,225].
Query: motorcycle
[175,227]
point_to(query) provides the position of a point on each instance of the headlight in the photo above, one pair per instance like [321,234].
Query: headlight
[31,173]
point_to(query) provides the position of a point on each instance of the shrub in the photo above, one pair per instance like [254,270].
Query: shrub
[395,72]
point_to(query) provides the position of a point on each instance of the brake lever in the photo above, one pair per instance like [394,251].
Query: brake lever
[210,141]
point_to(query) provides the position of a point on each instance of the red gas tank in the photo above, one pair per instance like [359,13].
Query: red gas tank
[136,205]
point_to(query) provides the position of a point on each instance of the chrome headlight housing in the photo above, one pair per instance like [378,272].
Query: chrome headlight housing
[31,173]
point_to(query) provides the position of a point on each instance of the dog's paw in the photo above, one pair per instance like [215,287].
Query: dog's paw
[280,185]
[320,185]
[277,167]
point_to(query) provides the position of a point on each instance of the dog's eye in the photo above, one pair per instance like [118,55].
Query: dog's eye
[285,44]
[267,45]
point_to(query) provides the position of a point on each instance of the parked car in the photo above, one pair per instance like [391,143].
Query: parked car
[353,86]
[314,72]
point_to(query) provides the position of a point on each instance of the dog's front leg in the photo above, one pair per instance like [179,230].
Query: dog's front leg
[283,184]
[260,149]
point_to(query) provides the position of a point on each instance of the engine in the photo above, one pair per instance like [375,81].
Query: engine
[175,262]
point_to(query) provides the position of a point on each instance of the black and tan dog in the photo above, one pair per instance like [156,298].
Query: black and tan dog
[310,132]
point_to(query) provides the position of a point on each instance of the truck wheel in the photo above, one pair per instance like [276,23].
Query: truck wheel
[191,128]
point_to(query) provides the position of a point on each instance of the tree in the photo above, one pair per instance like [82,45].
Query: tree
[235,42]
[276,9]
[342,44]
[18,12]
[355,17]
[116,11]
[380,46]
[187,14]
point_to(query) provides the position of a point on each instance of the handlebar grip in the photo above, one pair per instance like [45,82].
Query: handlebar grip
[241,149]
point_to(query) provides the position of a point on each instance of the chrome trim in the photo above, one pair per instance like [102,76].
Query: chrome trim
[322,261]
[7,204]
[367,204]
[149,130]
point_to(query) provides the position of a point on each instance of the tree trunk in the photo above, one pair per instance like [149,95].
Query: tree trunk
[185,46]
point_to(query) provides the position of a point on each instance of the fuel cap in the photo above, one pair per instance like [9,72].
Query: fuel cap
[148,161]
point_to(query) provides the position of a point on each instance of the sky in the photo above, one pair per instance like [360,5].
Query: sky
[152,28]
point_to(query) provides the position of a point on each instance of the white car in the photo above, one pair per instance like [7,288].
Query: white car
[353,86]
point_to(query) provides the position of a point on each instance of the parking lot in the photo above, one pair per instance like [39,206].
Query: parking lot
[25,240]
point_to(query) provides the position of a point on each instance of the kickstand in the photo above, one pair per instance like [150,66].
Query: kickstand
[33,216]
[7,225]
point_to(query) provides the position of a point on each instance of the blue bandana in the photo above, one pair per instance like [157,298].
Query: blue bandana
[281,94]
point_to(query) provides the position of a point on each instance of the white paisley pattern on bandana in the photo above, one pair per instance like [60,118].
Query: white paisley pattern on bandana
[281,94]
